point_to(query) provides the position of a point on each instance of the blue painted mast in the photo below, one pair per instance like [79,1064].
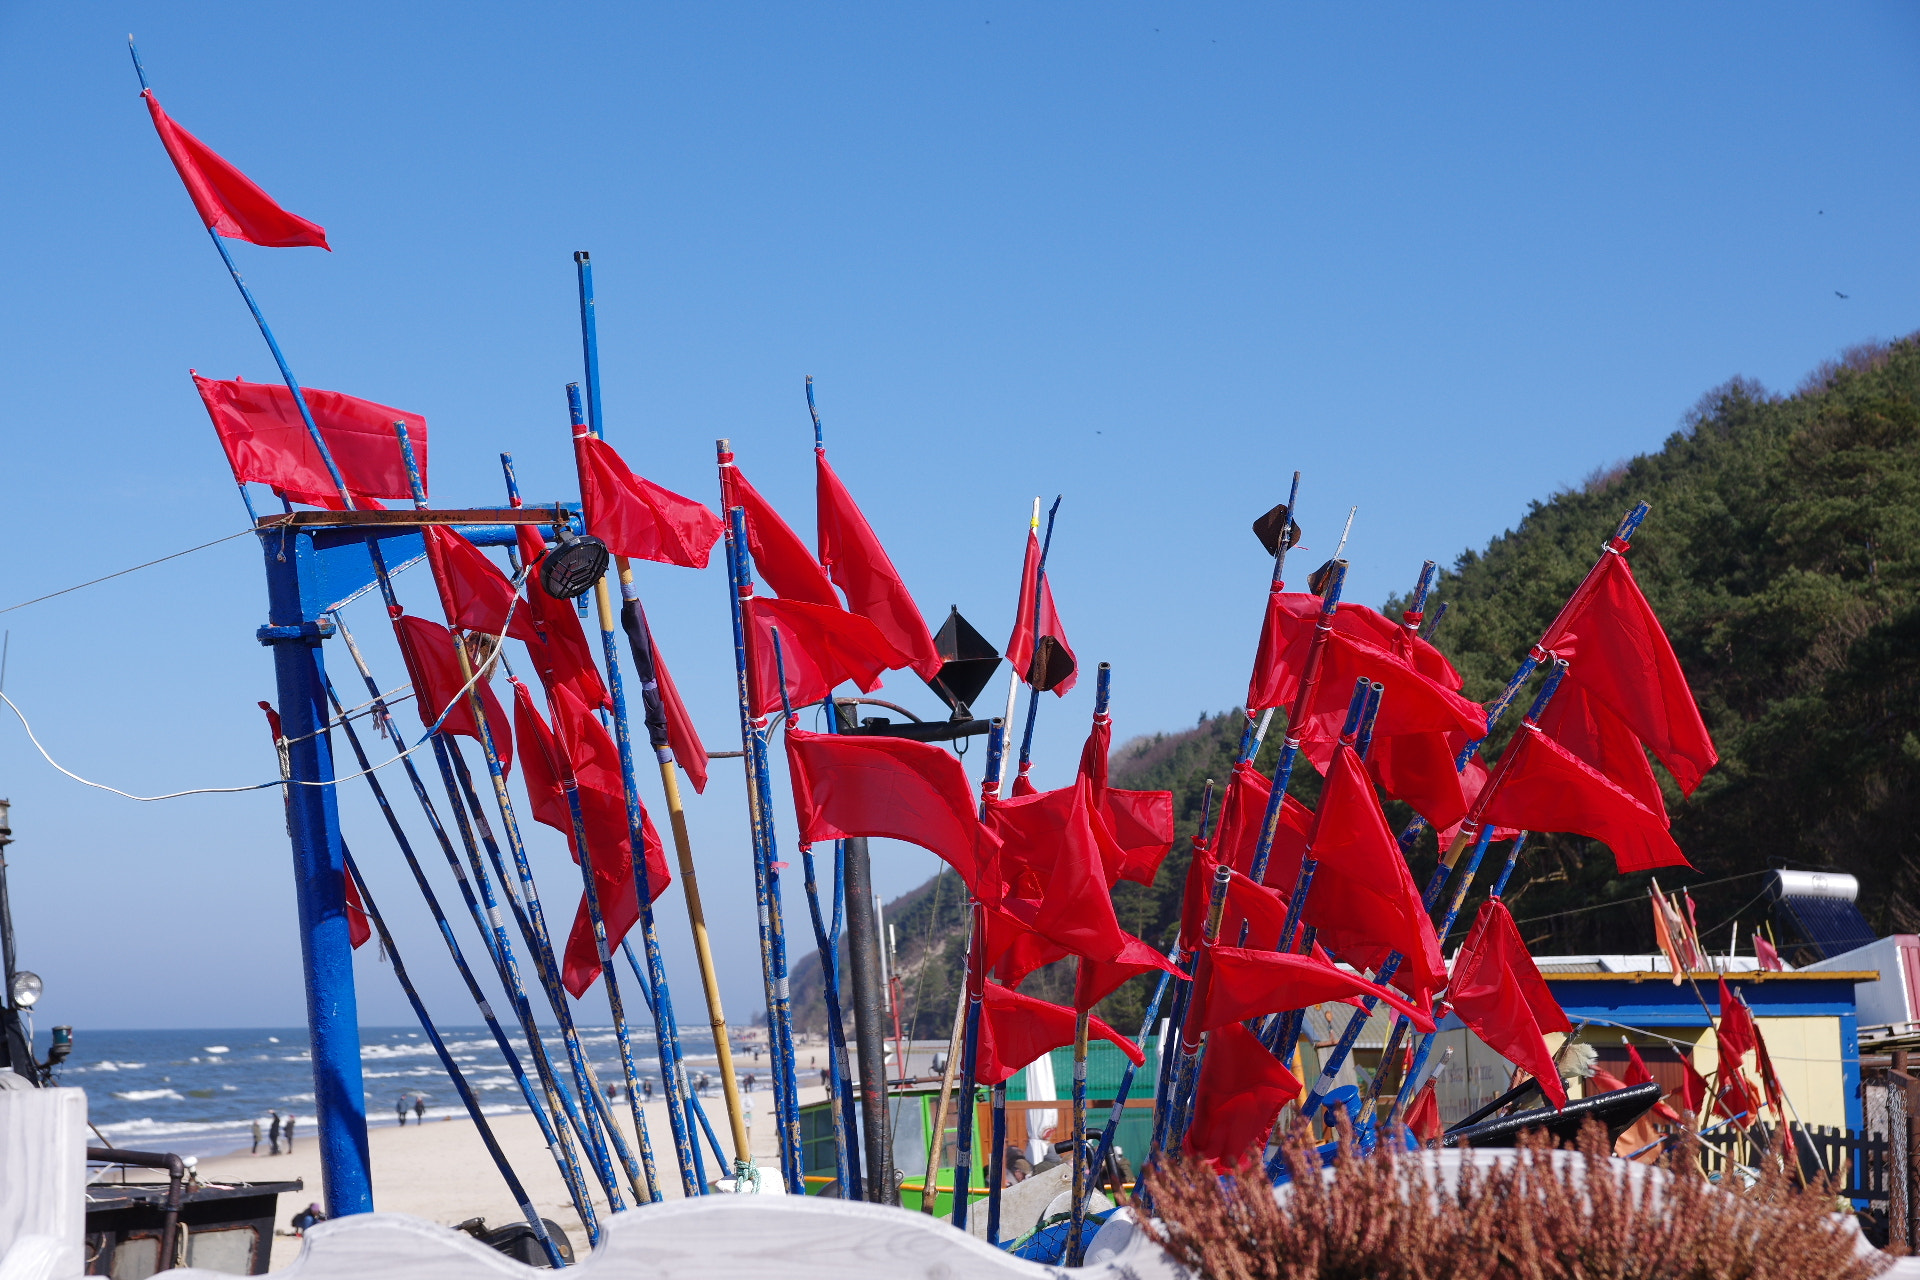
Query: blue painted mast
[976,995]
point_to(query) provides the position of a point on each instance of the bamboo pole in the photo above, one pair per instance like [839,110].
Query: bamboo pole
[936,1142]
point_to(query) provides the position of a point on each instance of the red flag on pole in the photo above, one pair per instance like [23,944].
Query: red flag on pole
[1548,788]
[891,787]
[267,443]
[851,554]
[1589,730]
[636,517]
[564,657]
[434,669]
[1241,1090]
[474,593]
[1020,644]
[779,557]
[1246,984]
[1417,768]
[1637,1073]
[227,200]
[1423,1117]
[688,750]
[1016,1029]
[1499,993]
[1735,1035]
[1693,1088]
[1139,823]
[1768,957]
[820,648]
[358,927]
[1095,980]
[1609,632]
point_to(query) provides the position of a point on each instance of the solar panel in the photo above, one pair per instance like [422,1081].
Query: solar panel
[1830,926]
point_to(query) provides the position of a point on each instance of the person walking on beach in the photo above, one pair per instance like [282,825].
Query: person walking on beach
[273,1133]
[419,1109]
[646,1090]
[256,1135]
[286,1131]
[400,1110]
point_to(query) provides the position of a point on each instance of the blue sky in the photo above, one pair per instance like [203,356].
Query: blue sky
[1153,257]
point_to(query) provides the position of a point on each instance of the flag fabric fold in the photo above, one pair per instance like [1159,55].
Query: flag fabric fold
[1244,984]
[892,788]
[1609,633]
[1241,1090]
[851,554]
[1638,1073]
[1020,644]
[474,593]
[1499,994]
[1590,731]
[1138,823]
[1015,1029]
[266,442]
[661,697]
[433,668]
[820,648]
[1548,788]
[638,518]
[229,202]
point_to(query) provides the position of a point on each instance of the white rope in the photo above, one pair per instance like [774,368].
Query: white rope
[484,669]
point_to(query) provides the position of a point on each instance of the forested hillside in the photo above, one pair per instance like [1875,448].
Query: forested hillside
[1782,553]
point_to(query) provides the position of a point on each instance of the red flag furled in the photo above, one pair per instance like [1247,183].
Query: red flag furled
[1769,1078]
[1242,1088]
[688,750]
[1609,632]
[1016,1029]
[851,554]
[1502,998]
[1423,1117]
[1693,1088]
[267,443]
[1052,875]
[1020,644]
[1585,726]
[228,201]
[1547,788]
[1246,984]
[582,749]
[1363,900]
[820,648]
[438,685]
[636,517]
[891,787]
[1412,703]
[358,928]
[474,593]
[779,557]
[564,658]
[1139,823]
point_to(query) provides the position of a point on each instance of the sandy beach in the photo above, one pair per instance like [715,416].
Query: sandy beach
[441,1170]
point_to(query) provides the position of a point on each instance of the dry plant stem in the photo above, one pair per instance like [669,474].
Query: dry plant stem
[1539,1216]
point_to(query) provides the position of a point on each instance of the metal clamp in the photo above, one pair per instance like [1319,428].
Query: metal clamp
[305,633]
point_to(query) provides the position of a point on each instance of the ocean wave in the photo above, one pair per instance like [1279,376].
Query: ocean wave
[389,1075]
[148,1095]
[307,1097]
[148,1127]
[107,1066]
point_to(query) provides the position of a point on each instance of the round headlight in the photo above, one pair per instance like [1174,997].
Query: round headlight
[26,988]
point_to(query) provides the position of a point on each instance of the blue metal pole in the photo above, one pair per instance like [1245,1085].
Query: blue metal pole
[319,867]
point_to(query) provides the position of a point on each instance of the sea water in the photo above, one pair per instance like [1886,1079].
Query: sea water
[199,1093]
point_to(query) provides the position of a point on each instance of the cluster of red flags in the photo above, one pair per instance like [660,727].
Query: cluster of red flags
[1499,993]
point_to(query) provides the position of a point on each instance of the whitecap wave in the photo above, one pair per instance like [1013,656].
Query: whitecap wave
[148,1095]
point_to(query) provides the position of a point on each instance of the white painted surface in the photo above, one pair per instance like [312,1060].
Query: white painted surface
[43,1179]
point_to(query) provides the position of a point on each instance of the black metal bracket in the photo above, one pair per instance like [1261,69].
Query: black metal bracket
[305,633]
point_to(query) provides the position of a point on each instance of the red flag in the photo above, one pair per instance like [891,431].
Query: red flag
[1412,703]
[438,686]
[1054,880]
[564,658]
[1012,951]
[1693,1088]
[1020,644]
[1261,910]
[1095,980]
[1016,1029]
[1769,1078]
[267,443]
[474,593]
[1244,984]
[1585,727]
[582,747]
[1363,900]
[228,201]
[1139,823]
[1417,768]
[1735,1035]
[820,649]
[891,787]
[851,554]
[1609,632]
[1242,811]
[1548,788]
[1499,994]
[1637,1073]
[1423,1117]
[688,750]
[781,559]
[1241,1090]
[1401,639]
[1768,957]
[358,928]
[636,517]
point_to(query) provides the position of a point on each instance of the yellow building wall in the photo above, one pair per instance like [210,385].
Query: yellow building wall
[1806,1056]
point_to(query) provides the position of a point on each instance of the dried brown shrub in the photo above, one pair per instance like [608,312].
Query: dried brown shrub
[1543,1216]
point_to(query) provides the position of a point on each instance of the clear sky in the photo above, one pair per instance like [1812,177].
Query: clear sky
[1443,260]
